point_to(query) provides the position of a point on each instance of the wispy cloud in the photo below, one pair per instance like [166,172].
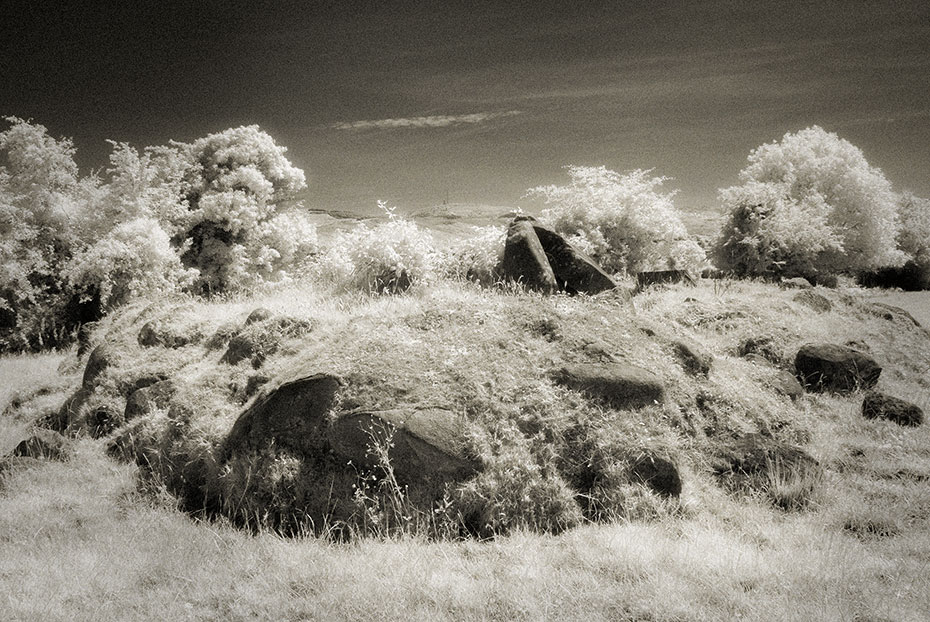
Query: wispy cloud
[421,122]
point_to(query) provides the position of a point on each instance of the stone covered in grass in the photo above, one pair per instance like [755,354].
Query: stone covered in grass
[831,367]
[877,405]
[694,358]
[619,385]
[46,444]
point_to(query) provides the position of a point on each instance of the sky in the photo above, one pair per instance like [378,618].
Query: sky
[416,103]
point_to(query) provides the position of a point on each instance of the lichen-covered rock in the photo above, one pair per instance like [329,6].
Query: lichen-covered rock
[877,405]
[525,260]
[575,272]
[291,416]
[617,384]
[100,358]
[425,448]
[832,367]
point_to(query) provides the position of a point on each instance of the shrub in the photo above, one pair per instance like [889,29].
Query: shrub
[386,258]
[622,221]
[475,257]
[39,191]
[808,204]
[135,258]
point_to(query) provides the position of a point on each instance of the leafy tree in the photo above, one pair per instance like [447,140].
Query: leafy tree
[40,196]
[234,186]
[809,204]
[622,221]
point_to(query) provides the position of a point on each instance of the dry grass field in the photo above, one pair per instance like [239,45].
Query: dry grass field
[83,540]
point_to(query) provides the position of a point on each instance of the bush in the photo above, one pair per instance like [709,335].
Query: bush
[809,204]
[623,221]
[477,256]
[387,258]
[135,258]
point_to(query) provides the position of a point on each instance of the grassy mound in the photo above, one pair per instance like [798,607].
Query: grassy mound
[551,457]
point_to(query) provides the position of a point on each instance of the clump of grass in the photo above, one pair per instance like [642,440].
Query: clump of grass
[791,484]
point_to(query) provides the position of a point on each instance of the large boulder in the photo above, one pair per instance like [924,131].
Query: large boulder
[525,260]
[617,384]
[292,416]
[757,462]
[663,277]
[425,448]
[832,367]
[574,271]
[877,405]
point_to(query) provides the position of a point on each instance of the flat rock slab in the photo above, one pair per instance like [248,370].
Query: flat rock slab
[617,384]
[832,367]
[420,444]
[877,405]
[293,415]
[575,272]
[525,260]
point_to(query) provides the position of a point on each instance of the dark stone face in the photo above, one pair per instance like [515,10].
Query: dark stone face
[830,367]
[877,405]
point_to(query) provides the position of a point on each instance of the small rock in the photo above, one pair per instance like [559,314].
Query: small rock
[785,383]
[815,301]
[798,282]
[44,444]
[146,399]
[617,384]
[763,346]
[258,315]
[877,405]
[254,383]
[663,277]
[154,333]
[694,358]
[244,347]
[658,473]
[525,260]
[835,368]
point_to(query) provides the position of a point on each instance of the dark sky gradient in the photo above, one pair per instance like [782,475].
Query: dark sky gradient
[687,88]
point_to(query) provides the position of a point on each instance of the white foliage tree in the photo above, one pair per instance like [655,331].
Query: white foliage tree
[809,204]
[623,221]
